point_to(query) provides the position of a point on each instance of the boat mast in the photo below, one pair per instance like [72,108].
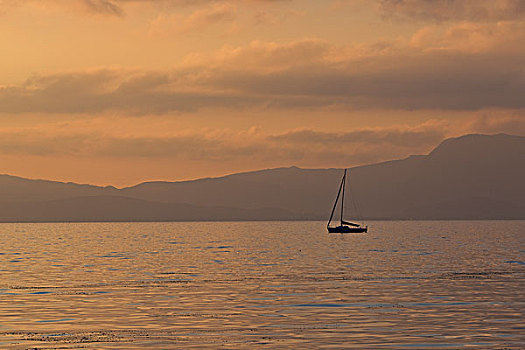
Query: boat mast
[336,199]
[343,196]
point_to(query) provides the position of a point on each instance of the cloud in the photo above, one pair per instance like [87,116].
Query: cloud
[111,90]
[487,123]
[117,7]
[304,147]
[217,12]
[104,7]
[425,10]
[204,17]
[269,57]
[196,145]
[446,10]
[399,137]
[432,70]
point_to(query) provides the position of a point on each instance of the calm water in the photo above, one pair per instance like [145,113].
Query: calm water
[262,284]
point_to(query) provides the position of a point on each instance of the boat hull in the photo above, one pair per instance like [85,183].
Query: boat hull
[347,229]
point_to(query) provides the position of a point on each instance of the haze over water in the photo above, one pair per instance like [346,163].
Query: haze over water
[411,284]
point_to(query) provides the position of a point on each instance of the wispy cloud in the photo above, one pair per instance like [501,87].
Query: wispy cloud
[118,7]
[201,19]
[104,6]
[400,137]
[446,10]
[217,12]
[305,147]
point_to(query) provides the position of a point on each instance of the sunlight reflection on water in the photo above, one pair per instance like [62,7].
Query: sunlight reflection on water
[273,284]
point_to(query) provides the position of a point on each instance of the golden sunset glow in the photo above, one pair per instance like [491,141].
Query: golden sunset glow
[122,91]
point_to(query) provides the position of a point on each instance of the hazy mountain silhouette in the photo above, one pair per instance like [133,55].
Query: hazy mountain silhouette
[470,177]
[115,208]
[17,189]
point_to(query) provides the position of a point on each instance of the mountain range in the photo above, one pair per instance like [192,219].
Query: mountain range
[469,177]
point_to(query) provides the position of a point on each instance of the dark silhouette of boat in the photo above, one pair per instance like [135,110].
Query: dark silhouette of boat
[345,226]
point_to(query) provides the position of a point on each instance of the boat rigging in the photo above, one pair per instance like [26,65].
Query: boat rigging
[345,226]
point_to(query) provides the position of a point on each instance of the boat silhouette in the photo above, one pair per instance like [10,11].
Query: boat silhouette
[345,226]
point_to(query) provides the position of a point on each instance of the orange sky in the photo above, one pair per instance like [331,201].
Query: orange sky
[122,91]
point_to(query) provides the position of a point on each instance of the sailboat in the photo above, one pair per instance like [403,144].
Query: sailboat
[345,226]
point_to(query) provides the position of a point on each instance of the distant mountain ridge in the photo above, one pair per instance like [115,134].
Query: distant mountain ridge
[469,177]
[124,209]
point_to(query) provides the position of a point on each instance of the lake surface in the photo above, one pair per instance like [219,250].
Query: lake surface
[411,284]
